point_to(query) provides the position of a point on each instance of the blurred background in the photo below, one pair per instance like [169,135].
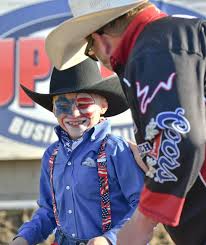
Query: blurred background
[27,129]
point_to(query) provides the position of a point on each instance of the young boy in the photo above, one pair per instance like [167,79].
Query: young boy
[90,183]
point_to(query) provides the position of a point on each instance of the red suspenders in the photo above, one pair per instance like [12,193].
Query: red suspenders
[104,187]
[51,170]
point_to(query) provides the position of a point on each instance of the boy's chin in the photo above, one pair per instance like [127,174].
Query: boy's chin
[76,133]
[75,136]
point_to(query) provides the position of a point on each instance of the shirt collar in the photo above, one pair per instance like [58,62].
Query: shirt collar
[101,130]
[148,15]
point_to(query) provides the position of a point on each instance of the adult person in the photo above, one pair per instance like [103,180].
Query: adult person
[84,192]
[161,63]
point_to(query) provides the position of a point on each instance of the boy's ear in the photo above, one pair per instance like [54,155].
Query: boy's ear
[104,106]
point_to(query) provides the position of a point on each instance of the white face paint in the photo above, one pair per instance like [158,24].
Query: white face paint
[78,112]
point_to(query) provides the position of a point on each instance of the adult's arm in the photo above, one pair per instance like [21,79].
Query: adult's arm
[168,89]
[137,231]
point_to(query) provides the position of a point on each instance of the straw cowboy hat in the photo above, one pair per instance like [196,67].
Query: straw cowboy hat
[84,77]
[66,44]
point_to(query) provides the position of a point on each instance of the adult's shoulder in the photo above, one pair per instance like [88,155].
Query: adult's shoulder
[169,34]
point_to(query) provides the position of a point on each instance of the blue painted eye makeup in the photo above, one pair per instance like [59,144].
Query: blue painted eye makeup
[63,105]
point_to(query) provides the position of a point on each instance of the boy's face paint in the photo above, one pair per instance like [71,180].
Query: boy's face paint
[63,105]
[78,112]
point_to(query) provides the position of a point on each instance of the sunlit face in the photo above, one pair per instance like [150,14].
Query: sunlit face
[78,112]
[103,46]
[99,49]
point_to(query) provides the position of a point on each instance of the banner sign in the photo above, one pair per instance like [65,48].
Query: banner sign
[23,60]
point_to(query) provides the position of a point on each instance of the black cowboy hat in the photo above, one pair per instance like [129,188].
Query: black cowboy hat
[84,77]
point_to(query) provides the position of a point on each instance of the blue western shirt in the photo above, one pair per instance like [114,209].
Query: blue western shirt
[76,187]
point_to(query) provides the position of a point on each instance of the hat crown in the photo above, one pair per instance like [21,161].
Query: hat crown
[83,7]
[76,78]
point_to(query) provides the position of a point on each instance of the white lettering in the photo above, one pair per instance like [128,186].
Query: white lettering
[15,125]
[27,129]
[36,132]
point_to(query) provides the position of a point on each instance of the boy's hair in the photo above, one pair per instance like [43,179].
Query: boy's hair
[119,25]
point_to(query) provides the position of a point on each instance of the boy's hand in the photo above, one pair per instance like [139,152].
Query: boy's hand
[19,241]
[100,240]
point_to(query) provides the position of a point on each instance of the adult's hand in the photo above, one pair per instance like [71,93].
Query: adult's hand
[19,241]
[137,156]
[100,240]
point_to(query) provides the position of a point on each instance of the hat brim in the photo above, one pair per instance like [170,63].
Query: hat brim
[65,45]
[109,88]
